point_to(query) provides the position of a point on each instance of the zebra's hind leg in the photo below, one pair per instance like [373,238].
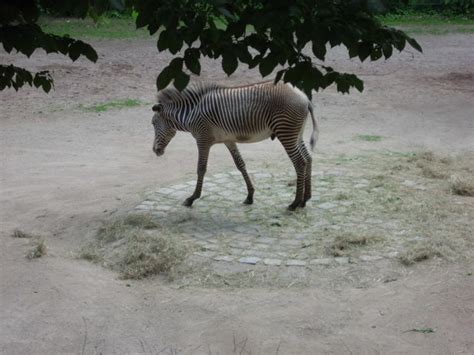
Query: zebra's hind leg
[240,164]
[307,180]
[203,148]
[299,162]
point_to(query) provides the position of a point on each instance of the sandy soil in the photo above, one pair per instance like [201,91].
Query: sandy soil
[65,169]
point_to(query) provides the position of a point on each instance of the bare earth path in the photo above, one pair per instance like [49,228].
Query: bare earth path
[64,169]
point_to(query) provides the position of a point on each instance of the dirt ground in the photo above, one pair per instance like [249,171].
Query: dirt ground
[64,169]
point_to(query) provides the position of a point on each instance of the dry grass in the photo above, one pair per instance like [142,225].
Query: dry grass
[137,247]
[39,249]
[462,185]
[345,244]
[457,171]
[20,234]
[419,253]
[146,255]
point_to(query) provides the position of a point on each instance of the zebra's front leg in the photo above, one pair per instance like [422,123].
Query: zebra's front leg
[240,164]
[203,148]
[299,162]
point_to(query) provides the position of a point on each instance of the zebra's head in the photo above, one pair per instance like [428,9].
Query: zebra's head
[164,129]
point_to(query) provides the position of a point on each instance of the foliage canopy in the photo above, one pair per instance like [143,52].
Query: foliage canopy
[286,35]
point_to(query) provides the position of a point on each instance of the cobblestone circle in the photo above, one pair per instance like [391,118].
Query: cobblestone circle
[266,233]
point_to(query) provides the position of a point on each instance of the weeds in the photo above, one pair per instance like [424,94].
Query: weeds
[462,185]
[420,253]
[369,138]
[344,244]
[421,330]
[20,234]
[39,249]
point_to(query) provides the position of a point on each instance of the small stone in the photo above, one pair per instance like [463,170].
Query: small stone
[294,262]
[392,254]
[346,203]
[322,261]
[409,183]
[149,203]
[249,260]
[369,257]
[205,254]
[360,186]
[342,260]
[327,205]
[266,240]
[144,207]
[259,246]
[262,175]
[335,173]
[227,258]
[290,242]
[272,262]
[180,186]
[163,208]
[165,191]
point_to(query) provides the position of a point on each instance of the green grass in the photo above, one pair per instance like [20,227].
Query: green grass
[105,28]
[429,23]
[118,104]
[369,138]
[123,27]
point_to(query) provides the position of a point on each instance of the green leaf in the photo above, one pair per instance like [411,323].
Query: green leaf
[319,50]
[191,59]
[364,50]
[164,78]
[267,64]
[279,75]
[229,62]
[181,80]
[414,44]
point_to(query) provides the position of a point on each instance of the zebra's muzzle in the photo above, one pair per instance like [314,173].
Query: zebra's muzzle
[158,150]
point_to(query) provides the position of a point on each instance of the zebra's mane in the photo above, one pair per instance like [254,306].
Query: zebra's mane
[193,92]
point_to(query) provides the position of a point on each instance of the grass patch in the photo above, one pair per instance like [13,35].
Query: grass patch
[422,330]
[20,234]
[137,247]
[105,28]
[458,171]
[39,249]
[369,138]
[345,244]
[439,246]
[415,22]
[341,196]
[118,104]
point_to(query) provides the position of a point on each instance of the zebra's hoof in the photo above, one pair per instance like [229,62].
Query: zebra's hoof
[293,206]
[302,204]
[188,202]
[248,201]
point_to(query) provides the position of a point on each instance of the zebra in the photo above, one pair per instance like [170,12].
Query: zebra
[214,113]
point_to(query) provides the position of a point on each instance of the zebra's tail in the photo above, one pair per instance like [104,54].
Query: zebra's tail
[315,133]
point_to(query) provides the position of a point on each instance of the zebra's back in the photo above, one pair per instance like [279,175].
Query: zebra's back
[250,113]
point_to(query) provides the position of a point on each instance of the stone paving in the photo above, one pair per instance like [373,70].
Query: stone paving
[266,233]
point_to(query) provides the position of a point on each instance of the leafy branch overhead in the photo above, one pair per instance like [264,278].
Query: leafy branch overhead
[274,34]
[287,36]
[19,32]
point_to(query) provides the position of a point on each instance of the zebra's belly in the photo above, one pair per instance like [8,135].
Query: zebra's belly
[221,136]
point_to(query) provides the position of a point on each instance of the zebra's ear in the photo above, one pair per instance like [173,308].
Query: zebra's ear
[157,107]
